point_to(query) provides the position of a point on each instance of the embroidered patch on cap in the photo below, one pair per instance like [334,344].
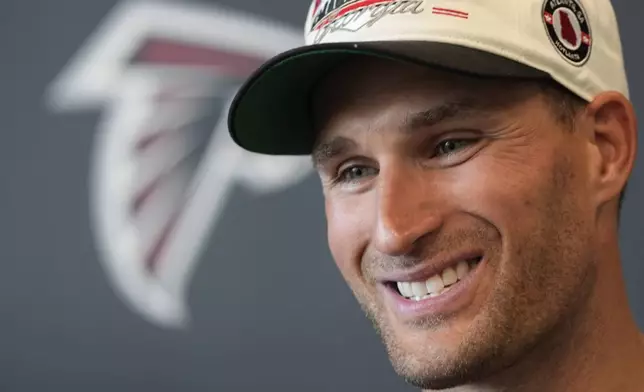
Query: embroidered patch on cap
[568,29]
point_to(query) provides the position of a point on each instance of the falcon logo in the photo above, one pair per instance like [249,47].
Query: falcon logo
[568,29]
[163,162]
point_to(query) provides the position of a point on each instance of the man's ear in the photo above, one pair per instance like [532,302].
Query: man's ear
[614,131]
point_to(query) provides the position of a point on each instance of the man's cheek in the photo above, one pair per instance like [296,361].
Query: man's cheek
[341,230]
[496,191]
[349,225]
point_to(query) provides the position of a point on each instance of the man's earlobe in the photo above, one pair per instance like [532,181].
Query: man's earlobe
[615,135]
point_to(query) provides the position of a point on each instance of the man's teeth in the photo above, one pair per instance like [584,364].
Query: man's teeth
[437,284]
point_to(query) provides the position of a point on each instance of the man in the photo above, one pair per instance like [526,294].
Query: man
[472,156]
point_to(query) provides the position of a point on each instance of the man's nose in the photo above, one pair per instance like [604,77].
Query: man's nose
[407,210]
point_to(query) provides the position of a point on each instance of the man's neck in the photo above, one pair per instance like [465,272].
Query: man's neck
[594,356]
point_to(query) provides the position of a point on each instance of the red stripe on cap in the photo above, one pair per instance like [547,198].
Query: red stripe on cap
[450,14]
[449,11]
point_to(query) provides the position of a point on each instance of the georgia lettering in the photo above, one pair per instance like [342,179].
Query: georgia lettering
[346,17]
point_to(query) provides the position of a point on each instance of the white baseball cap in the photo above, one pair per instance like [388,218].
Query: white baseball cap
[574,42]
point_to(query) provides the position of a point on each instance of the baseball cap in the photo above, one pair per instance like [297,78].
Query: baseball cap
[576,43]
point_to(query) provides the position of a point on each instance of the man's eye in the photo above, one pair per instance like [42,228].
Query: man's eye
[356,173]
[451,146]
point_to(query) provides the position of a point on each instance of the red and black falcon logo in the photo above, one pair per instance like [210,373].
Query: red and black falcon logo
[568,28]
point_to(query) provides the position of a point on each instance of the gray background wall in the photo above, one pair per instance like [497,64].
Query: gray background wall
[269,308]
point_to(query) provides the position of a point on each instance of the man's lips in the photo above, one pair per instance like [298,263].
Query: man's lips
[443,293]
[424,271]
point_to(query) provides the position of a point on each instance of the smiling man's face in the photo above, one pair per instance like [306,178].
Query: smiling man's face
[456,213]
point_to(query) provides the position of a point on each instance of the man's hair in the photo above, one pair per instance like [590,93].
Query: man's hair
[566,106]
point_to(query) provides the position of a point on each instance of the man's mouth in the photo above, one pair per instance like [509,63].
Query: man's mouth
[438,284]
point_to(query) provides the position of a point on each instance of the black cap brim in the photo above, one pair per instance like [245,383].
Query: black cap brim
[271,113]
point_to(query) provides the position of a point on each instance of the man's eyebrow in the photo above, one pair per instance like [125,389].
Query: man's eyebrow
[461,108]
[324,152]
[458,108]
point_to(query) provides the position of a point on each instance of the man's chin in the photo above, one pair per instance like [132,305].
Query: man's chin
[440,351]
[433,370]
[414,368]
[432,356]
[432,383]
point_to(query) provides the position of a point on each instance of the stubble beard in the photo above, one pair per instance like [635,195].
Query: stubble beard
[508,329]
[538,289]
